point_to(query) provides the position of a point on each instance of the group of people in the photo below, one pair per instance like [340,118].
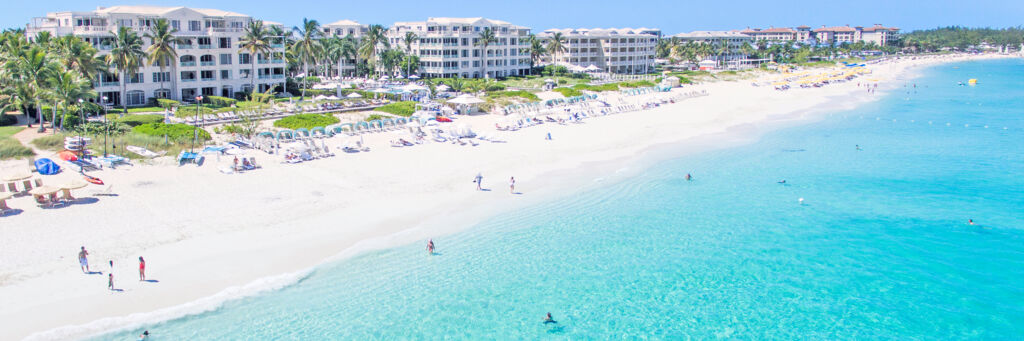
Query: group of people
[245,165]
[479,180]
[83,262]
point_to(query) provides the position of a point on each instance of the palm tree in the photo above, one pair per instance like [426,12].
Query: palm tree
[410,37]
[29,70]
[307,46]
[389,59]
[486,38]
[161,47]
[374,38]
[126,56]
[747,49]
[347,49]
[67,88]
[76,54]
[256,40]
[535,48]
[556,45]
[722,49]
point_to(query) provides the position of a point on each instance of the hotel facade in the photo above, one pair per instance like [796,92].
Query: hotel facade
[448,47]
[614,50]
[209,61]
[342,29]
[878,34]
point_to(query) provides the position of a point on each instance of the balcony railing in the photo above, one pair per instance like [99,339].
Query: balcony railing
[188,63]
[278,77]
[186,80]
[276,46]
[205,46]
[278,61]
[264,77]
[114,83]
[206,79]
[185,46]
[207,63]
[262,61]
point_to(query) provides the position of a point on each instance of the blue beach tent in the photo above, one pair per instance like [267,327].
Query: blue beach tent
[47,167]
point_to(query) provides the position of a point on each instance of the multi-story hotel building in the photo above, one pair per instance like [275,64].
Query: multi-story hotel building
[342,29]
[447,47]
[614,50]
[209,60]
[771,34]
[878,34]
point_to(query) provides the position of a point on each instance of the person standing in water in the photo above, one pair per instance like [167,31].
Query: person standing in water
[142,269]
[548,319]
[970,221]
[110,281]
[83,260]
[144,336]
[858,147]
[479,181]
[689,177]
[430,246]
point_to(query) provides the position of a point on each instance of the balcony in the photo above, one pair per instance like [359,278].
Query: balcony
[207,63]
[186,80]
[279,61]
[278,77]
[262,61]
[205,46]
[184,47]
[264,77]
[114,83]
[188,63]
[277,46]
[207,79]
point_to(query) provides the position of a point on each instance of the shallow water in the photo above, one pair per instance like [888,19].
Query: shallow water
[879,250]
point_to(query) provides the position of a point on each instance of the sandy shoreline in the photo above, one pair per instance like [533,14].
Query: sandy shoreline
[203,232]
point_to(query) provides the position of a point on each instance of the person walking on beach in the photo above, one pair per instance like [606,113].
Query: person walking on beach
[142,269]
[111,263]
[479,179]
[512,185]
[110,282]
[430,246]
[83,260]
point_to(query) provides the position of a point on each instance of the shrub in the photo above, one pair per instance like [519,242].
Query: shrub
[175,131]
[49,142]
[317,92]
[99,128]
[636,84]
[529,96]
[232,129]
[374,117]
[12,149]
[218,101]
[307,121]
[7,120]
[567,92]
[494,87]
[137,120]
[191,111]
[404,109]
[167,103]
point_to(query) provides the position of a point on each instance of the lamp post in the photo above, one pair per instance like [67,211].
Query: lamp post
[195,129]
[105,126]
[81,141]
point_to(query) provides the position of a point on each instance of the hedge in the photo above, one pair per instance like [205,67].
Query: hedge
[404,109]
[568,92]
[167,103]
[307,121]
[221,101]
[137,120]
[7,120]
[175,131]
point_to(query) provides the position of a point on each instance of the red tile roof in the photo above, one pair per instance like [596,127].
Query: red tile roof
[835,29]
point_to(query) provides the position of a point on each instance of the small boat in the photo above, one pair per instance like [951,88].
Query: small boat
[93,180]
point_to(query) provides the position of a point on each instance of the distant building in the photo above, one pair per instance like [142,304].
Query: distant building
[878,34]
[342,29]
[614,50]
[209,61]
[771,34]
[734,39]
[447,47]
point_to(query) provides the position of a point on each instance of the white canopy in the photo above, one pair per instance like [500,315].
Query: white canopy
[332,98]
[414,87]
[354,95]
[320,97]
[384,77]
[549,80]
[592,67]
[399,77]
[380,90]
[414,77]
[443,88]
[465,99]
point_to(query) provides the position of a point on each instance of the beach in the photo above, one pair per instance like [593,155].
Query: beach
[206,234]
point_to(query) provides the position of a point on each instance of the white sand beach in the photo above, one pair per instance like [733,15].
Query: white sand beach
[209,235]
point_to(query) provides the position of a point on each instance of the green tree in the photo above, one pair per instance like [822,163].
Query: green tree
[67,87]
[126,56]
[410,37]
[307,47]
[485,39]
[256,40]
[556,46]
[374,39]
[161,48]
[535,48]
[28,70]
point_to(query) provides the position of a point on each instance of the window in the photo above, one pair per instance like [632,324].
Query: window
[207,75]
[225,74]
[161,77]
[244,74]
[244,58]
[224,43]
[194,25]
[225,59]
[135,79]
[188,76]
[176,24]
[162,93]
[136,97]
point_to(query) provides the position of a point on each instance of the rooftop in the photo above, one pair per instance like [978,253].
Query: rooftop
[601,31]
[712,34]
[344,22]
[163,10]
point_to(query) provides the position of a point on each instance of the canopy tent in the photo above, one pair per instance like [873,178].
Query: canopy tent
[332,98]
[319,97]
[414,77]
[443,88]
[354,95]
[466,99]
[592,68]
[412,87]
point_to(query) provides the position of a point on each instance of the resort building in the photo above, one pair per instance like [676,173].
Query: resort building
[448,47]
[734,39]
[878,34]
[835,35]
[342,29]
[614,50]
[771,34]
[209,60]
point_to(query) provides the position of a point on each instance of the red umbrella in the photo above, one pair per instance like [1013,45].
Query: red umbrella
[68,155]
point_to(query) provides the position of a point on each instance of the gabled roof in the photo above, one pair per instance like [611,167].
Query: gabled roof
[344,22]
[164,10]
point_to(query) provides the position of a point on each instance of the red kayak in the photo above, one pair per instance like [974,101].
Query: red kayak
[93,180]
[444,119]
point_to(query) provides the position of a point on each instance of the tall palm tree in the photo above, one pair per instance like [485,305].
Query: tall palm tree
[375,38]
[76,54]
[556,45]
[535,48]
[126,56]
[161,48]
[486,38]
[67,87]
[410,37]
[255,40]
[347,49]
[307,46]
[29,69]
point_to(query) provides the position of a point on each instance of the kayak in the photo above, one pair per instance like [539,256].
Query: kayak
[94,180]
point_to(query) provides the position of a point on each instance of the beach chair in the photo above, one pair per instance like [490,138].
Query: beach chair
[12,187]
[28,185]
[39,182]
[41,201]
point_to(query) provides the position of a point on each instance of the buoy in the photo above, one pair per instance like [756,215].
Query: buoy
[972,81]
[801,200]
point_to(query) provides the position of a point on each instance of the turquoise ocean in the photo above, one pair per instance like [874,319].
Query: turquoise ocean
[880,249]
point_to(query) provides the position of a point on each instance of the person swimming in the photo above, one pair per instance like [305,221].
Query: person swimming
[858,147]
[430,246]
[548,319]
[970,221]
[783,181]
[688,177]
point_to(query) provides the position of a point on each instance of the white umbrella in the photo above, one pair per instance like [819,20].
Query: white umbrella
[399,77]
[592,67]
[332,98]
[354,95]
[380,90]
[549,80]
[414,77]
[466,99]
[319,97]
[443,88]
[414,87]
[413,124]
[384,77]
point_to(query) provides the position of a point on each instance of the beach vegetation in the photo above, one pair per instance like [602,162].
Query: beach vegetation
[173,131]
[307,121]
[11,148]
[521,94]
[404,109]
[137,120]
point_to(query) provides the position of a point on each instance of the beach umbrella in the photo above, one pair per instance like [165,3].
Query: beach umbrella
[443,88]
[332,98]
[43,190]
[384,77]
[399,77]
[6,195]
[21,175]
[74,184]
[466,99]
[414,77]
[354,95]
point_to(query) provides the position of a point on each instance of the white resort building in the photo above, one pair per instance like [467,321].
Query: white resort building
[209,61]
[448,47]
[342,29]
[614,50]
[878,34]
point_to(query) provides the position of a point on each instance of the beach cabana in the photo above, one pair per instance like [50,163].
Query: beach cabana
[284,135]
[302,132]
[320,129]
[361,126]
[354,95]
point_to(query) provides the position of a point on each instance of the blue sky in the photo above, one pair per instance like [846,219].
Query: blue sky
[670,16]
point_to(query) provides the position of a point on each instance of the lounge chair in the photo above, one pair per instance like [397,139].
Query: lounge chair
[39,182]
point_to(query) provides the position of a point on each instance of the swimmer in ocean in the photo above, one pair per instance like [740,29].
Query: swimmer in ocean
[548,319]
[782,182]
[970,221]
[858,147]
[688,177]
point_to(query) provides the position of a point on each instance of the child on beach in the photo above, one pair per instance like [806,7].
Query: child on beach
[512,185]
[142,269]
[110,281]
[83,260]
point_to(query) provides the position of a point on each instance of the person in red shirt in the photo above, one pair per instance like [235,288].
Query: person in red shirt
[142,269]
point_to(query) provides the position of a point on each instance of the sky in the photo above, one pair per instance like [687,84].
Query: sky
[668,15]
